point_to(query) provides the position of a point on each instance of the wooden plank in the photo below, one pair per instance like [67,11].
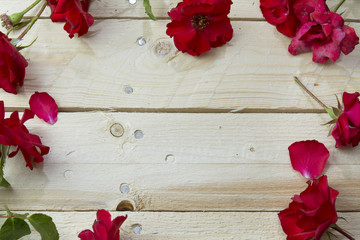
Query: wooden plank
[244,9]
[88,137]
[182,162]
[168,187]
[248,73]
[193,226]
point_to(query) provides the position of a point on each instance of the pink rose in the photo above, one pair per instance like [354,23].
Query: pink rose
[326,35]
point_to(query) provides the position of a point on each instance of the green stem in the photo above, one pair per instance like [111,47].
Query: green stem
[310,93]
[31,6]
[2,159]
[339,5]
[33,21]
[337,228]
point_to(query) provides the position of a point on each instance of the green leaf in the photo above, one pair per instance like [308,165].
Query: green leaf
[331,113]
[3,182]
[148,10]
[45,226]
[13,229]
[331,129]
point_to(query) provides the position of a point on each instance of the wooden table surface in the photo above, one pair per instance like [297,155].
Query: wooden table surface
[197,146]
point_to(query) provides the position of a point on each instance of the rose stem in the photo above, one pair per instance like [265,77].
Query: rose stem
[31,6]
[339,5]
[33,21]
[310,93]
[343,232]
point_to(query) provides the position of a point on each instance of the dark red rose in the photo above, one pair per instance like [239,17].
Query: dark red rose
[198,25]
[104,228]
[14,133]
[74,13]
[311,213]
[347,128]
[326,35]
[289,15]
[12,66]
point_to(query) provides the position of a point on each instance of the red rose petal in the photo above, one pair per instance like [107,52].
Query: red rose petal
[308,157]
[44,106]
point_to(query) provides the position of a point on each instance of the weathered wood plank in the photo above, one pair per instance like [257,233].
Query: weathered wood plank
[244,9]
[248,73]
[183,138]
[180,162]
[193,226]
[168,187]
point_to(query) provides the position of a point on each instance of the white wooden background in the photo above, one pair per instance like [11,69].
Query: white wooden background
[203,149]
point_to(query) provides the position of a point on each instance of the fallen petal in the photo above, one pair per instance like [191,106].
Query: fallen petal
[44,106]
[308,157]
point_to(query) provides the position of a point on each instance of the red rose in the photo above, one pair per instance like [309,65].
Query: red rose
[326,36]
[311,213]
[347,128]
[14,133]
[74,13]
[289,15]
[12,66]
[104,228]
[198,25]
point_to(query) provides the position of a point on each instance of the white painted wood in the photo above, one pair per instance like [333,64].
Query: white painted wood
[248,73]
[244,9]
[193,226]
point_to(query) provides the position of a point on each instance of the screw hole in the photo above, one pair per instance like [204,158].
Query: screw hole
[138,134]
[124,188]
[137,228]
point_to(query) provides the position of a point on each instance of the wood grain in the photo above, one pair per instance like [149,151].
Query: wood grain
[90,138]
[248,74]
[193,226]
[244,9]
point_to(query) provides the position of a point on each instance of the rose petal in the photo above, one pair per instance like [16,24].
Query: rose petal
[86,235]
[44,106]
[308,157]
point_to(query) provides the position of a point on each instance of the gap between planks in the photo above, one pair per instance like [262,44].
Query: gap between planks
[178,110]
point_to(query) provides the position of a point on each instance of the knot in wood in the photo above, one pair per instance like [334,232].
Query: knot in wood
[117,130]
[163,48]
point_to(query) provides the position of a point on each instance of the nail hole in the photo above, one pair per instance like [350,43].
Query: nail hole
[170,158]
[252,149]
[68,174]
[132,2]
[128,90]
[138,134]
[125,205]
[117,130]
[137,228]
[141,41]
[124,188]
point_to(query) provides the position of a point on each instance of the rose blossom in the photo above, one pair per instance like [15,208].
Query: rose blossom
[289,15]
[104,228]
[311,213]
[74,13]
[12,66]
[347,128]
[326,35]
[198,25]
[13,132]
